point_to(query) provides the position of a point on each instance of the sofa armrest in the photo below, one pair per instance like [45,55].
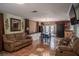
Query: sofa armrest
[28,37]
[4,38]
[9,45]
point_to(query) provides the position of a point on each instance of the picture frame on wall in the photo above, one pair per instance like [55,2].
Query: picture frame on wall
[15,24]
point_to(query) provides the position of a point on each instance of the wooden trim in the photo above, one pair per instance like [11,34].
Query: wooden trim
[1,32]
[2,23]
[26,25]
[37,26]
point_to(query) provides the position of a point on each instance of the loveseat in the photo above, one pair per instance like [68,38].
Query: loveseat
[13,42]
[71,48]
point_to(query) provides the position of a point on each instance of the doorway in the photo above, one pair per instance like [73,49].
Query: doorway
[60,30]
[49,35]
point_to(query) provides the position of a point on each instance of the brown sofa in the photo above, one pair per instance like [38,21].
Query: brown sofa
[13,42]
[72,49]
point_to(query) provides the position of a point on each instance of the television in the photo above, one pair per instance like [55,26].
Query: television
[72,15]
[73,21]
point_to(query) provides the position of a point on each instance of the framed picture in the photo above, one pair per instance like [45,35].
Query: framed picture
[15,24]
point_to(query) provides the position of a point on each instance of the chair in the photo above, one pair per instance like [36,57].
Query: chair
[71,50]
[68,46]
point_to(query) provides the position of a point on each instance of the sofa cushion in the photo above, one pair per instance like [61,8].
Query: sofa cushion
[28,37]
[18,44]
[20,36]
[10,37]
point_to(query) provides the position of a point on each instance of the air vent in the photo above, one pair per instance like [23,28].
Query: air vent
[34,11]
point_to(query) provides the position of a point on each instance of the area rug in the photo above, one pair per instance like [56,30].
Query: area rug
[40,49]
[40,52]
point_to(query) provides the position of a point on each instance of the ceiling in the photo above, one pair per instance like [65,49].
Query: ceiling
[49,10]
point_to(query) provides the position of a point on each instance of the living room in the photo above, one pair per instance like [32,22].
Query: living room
[39,29]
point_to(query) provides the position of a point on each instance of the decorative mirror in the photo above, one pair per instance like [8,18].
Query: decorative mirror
[15,24]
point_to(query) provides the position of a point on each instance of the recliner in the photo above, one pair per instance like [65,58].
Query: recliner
[71,50]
